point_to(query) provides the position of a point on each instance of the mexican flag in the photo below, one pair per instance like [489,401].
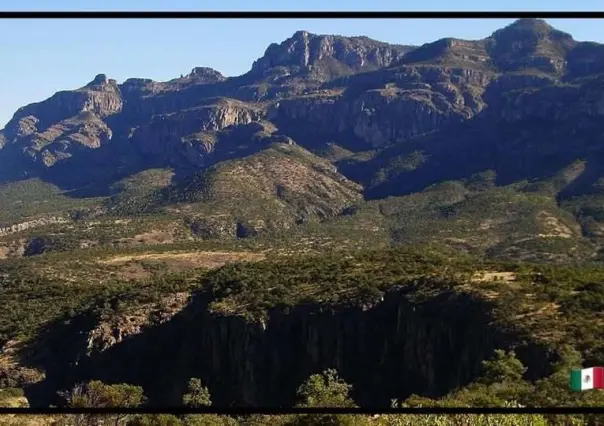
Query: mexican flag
[588,378]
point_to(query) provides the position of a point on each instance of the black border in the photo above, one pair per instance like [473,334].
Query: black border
[297,14]
[234,411]
[244,411]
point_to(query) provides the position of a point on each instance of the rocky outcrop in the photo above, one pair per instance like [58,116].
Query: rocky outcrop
[451,52]
[209,228]
[530,44]
[204,75]
[555,103]
[23,226]
[418,100]
[116,329]
[328,56]
[66,124]
[101,96]
[174,134]
[12,373]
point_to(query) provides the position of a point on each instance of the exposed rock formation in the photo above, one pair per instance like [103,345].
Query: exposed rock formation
[331,56]
[30,224]
[65,124]
[422,100]
[109,333]
[170,134]
[386,350]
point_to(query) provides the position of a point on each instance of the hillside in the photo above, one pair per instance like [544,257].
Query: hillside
[393,119]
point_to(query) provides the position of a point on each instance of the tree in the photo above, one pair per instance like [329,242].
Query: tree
[156,420]
[326,390]
[500,383]
[99,395]
[554,390]
[503,367]
[197,395]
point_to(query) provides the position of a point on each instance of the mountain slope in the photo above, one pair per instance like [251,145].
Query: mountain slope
[274,188]
[519,110]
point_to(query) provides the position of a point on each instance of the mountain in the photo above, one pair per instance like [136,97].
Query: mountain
[231,217]
[394,119]
[324,57]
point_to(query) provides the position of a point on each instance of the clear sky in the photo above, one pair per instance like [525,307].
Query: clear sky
[41,57]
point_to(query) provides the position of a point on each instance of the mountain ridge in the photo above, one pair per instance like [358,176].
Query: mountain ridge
[395,119]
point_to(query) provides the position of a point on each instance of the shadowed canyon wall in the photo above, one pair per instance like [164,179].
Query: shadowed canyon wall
[389,350]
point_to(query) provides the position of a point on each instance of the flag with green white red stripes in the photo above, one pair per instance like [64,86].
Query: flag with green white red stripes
[587,378]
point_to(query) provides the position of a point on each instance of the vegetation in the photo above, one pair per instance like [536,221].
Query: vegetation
[501,378]
[99,395]
[197,396]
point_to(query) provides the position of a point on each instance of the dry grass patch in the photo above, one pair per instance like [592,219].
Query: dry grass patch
[197,259]
[554,227]
[490,276]
[153,237]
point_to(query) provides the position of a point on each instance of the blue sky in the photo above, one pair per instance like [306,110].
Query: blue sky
[41,57]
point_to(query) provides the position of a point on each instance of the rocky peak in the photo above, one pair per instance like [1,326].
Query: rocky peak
[530,43]
[525,30]
[101,83]
[100,97]
[449,50]
[206,75]
[100,79]
[307,50]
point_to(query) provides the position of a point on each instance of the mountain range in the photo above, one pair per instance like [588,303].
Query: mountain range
[323,125]
[346,203]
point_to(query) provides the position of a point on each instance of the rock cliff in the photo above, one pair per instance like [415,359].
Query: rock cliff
[386,350]
[324,56]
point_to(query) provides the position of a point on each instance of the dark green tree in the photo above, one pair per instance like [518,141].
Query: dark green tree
[197,395]
[501,382]
[97,394]
[325,390]
[330,391]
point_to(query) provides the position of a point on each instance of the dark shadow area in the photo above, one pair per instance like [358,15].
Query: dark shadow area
[390,350]
[585,183]
[531,150]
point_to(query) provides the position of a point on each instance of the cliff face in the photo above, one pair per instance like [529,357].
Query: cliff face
[387,350]
[173,134]
[66,124]
[555,103]
[325,56]
[416,100]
